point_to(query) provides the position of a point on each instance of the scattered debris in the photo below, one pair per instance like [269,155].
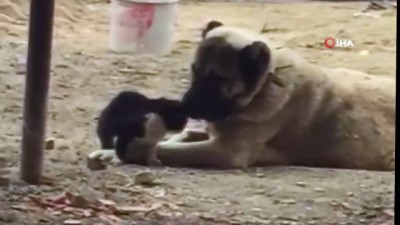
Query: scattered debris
[80,207]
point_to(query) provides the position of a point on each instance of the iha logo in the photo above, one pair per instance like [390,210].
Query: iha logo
[331,42]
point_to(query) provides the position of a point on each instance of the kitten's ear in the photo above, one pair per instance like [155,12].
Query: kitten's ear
[210,25]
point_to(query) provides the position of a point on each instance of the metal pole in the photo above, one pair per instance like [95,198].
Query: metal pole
[36,89]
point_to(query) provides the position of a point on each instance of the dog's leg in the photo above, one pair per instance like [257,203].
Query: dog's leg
[202,154]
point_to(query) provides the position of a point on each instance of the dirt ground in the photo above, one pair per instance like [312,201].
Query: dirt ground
[86,75]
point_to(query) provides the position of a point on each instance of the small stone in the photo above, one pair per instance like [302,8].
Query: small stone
[319,190]
[145,178]
[287,201]
[350,194]
[95,164]
[260,175]
[301,184]
[50,144]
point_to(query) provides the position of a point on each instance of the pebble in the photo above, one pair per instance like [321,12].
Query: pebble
[95,164]
[72,222]
[301,184]
[319,190]
[145,178]
[50,144]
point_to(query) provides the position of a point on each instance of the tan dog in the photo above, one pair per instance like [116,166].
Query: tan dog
[268,106]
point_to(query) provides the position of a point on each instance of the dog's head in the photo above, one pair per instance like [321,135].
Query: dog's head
[229,68]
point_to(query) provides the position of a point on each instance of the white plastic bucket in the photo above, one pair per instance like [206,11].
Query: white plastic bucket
[142,26]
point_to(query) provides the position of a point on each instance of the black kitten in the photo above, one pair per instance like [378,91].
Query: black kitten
[131,115]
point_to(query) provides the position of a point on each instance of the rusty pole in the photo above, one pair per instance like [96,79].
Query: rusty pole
[36,89]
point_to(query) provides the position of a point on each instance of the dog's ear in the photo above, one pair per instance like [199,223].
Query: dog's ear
[276,80]
[254,60]
[210,25]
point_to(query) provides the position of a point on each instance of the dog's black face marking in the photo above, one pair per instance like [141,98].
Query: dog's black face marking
[221,75]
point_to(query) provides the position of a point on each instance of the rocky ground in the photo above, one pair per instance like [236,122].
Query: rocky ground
[86,75]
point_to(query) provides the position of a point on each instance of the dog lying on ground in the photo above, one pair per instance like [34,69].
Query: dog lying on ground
[265,105]
[131,116]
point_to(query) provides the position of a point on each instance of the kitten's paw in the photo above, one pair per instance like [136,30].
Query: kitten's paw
[105,155]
